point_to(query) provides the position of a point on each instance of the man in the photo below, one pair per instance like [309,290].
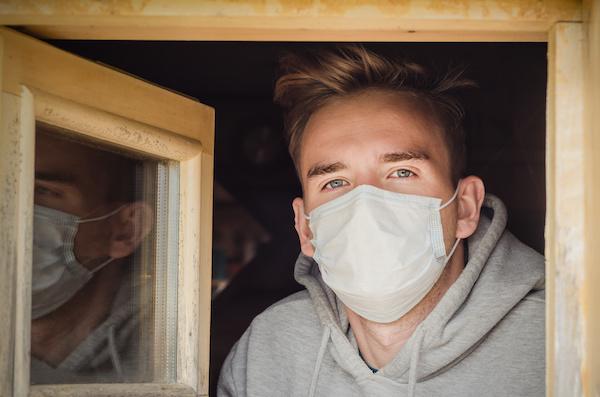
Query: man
[86,225]
[411,290]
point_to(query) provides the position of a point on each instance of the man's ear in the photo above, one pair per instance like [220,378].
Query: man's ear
[301,225]
[470,198]
[129,227]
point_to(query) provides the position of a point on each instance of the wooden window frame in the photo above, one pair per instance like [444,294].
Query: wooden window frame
[36,81]
[571,28]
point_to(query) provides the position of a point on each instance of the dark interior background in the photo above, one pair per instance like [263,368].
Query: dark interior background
[506,116]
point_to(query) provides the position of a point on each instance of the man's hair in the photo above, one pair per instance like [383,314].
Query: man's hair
[312,81]
[115,173]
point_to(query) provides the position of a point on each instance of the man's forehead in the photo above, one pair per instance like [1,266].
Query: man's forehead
[415,133]
[66,158]
[69,162]
[413,109]
[60,176]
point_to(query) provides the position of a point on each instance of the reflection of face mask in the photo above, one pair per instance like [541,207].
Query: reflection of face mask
[381,252]
[57,275]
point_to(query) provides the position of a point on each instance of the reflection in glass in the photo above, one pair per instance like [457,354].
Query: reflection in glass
[93,266]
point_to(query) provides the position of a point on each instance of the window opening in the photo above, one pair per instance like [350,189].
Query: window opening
[507,148]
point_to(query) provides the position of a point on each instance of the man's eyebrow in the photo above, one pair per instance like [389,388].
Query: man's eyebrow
[323,169]
[54,177]
[403,156]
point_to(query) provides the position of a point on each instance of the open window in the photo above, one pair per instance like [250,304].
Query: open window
[109,179]
[570,27]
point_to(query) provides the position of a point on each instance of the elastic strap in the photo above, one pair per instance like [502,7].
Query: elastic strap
[452,251]
[452,199]
[102,265]
[103,216]
[305,216]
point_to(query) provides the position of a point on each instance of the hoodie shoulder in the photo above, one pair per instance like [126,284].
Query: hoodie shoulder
[276,349]
[492,320]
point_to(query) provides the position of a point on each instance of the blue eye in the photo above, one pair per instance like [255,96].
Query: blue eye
[402,173]
[335,184]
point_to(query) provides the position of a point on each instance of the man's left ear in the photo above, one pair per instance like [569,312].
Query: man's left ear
[129,227]
[470,198]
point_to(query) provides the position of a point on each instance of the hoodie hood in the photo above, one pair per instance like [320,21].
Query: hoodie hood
[499,274]
[106,354]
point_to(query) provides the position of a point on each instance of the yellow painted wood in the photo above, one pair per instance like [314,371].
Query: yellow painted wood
[205,271]
[566,213]
[111,390]
[24,236]
[294,20]
[189,275]
[9,217]
[96,86]
[591,167]
[409,31]
[160,124]
[122,131]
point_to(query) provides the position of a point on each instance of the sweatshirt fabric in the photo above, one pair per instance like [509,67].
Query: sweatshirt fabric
[106,355]
[486,337]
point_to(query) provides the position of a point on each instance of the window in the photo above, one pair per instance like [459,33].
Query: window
[127,168]
[573,54]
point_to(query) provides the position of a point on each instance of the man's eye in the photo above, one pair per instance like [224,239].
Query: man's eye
[402,174]
[45,191]
[335,183]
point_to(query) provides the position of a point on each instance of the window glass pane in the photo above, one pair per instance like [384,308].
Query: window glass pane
[98,314]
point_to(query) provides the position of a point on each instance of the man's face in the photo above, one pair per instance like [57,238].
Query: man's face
[70,178]
[381,139]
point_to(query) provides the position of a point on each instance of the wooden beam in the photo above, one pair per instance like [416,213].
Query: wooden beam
[40,82]
[591,167]
[111,390]
[291,20]
[98,87]
[566,217]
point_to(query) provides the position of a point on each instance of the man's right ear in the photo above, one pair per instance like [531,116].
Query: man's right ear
[129,228]
[301,225]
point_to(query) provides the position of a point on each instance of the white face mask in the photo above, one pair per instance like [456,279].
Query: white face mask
[381,252]
[57,275]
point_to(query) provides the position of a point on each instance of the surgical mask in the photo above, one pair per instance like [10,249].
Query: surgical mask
[381,252]
[57,275]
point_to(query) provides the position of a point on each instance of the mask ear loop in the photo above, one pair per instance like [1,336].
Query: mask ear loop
[452,251]
[453,197]
[304,215]
[100,266]
[109,260]
[103,216]
[458,239]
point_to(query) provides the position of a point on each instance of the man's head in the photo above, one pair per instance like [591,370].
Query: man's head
[88,182]
[311,82]
[354,118]
[87,223]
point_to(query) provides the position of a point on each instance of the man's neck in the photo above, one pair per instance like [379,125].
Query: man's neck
[55,335]
[379,342]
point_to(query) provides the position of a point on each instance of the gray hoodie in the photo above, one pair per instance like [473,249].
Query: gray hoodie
[484,338]
[107,354]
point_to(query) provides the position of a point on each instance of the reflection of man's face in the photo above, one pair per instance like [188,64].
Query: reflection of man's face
[71,178]
[382,139]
